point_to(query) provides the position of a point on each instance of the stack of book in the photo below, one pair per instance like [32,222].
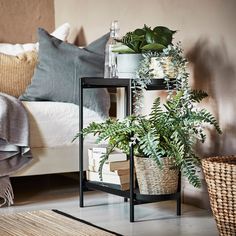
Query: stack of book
[115,170]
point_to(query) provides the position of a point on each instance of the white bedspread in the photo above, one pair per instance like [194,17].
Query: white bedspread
[55,123]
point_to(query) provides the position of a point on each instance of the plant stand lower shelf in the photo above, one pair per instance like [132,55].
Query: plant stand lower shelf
[138,198]
[132,194]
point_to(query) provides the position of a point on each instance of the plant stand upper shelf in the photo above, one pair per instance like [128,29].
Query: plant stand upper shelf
[133,194]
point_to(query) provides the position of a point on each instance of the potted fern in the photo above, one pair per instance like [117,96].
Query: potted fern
[137,42]
[170,131]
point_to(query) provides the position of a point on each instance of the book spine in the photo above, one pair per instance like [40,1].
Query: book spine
[117,157]
[114,178]
[102,150]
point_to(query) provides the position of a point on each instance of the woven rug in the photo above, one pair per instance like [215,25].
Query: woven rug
[48,223]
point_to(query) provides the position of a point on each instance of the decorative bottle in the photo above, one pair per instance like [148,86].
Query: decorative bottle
[110,69]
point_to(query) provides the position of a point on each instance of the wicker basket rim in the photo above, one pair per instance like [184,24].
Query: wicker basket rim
[223,160]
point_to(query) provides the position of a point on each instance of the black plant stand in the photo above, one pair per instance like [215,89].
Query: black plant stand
[133,194]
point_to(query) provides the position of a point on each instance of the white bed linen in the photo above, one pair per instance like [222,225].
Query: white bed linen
[52,128]
[55,123]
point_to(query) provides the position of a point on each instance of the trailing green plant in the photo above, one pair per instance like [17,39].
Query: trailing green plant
[145,73]
[145,39]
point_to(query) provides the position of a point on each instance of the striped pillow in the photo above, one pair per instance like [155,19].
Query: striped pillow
[16,72]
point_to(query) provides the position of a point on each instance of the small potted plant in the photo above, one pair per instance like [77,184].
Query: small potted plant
[137,42]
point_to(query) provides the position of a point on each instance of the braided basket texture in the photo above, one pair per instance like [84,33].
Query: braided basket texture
[220,175]
[153,180]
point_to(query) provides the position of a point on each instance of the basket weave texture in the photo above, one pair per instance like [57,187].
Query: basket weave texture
[220,175]
[153,180]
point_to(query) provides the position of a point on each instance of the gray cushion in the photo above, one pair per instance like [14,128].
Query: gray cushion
[60,67]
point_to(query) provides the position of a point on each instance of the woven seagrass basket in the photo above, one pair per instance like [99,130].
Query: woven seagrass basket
[153,180]
[220,175]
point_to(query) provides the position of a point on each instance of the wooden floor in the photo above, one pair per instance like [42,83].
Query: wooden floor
[108,211]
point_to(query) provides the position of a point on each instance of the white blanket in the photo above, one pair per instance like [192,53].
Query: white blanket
[55,124]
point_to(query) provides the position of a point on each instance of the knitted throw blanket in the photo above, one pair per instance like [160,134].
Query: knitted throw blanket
[14,143]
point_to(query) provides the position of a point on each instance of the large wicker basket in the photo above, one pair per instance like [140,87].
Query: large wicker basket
[153,180]
[220,174]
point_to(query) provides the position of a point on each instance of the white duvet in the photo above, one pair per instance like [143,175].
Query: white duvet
[55,124]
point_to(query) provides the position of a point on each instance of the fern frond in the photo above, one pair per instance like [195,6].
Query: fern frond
[94,128]
[189,170]
[113,130]
[75,137]
[149,146]
[156,111]
[205,116]
[178,148]
[175,150]
[198,95]
[104,158]
[102,161]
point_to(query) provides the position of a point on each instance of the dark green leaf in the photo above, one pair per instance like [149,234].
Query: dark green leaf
[153,47]
[139,32]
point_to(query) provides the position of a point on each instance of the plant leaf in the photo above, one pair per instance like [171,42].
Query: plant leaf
[149,146]
[139,32]
[122,49]
[164,35]
[150,37]
[153,47]
[198,95]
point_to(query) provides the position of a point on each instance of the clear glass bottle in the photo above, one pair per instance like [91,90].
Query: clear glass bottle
[110,69]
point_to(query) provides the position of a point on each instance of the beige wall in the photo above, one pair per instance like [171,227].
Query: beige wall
[208,34]
[19,19]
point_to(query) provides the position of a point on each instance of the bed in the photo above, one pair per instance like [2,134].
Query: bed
[52,128]
[53,115]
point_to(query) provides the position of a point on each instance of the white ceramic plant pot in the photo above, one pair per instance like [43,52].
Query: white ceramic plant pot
[127,65]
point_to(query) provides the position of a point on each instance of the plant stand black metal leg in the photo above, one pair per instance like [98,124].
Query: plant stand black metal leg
[178,201]
[81,179]
[179,206]
[131,184]
[129,109]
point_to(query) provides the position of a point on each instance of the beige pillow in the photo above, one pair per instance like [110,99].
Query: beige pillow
[16,72]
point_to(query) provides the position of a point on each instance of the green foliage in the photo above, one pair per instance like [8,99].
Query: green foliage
[145,39]
[198,95]
[172,129]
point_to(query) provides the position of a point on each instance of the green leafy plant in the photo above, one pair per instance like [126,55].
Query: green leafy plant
[144,73]
[170,130]
[145,39]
